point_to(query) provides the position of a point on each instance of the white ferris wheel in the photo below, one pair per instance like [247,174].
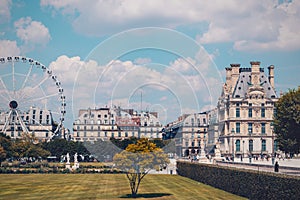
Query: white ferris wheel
[32,99]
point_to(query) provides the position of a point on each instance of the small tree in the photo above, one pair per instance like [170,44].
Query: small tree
[138,159]
[287,121]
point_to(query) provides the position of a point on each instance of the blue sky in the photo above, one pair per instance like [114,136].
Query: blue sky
[172,53]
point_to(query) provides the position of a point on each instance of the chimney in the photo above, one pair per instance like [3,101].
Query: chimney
[255,72]
[228,76]
[271,75]
[235,74]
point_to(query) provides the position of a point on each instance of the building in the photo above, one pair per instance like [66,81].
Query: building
[38,122]
[188,131]
[245,112]
[104,123]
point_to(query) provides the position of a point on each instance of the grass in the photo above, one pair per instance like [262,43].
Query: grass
[104,186]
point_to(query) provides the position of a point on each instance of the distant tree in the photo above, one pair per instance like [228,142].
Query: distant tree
[138,159]
[59,147]
[2,154]
[27,146]
[6,144]
[123,143]
[287,121]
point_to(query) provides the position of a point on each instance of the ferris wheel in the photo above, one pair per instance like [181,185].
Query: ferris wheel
[32,100]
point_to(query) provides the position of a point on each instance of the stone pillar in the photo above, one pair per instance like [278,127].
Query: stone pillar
[271,75]
[217,151]
[68,165]
[202,156]
[228,77]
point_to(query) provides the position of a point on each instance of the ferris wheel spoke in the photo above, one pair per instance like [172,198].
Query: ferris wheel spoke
[5,88]
[24,128]
[13,77]
[41,98]
[4,97]
[37,86]
[26,78]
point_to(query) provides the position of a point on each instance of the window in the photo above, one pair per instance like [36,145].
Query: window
[119,134]
[263,112]
[250,128]
[237,112]
[126,134]
[263,128]
[238,145]
[204,121]
[238,127]
[263,145]
[250,112]
[250,145]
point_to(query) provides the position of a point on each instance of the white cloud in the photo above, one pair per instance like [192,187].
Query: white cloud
[9,48]
[5,10]
[248,24]
[142,61]
[32,32]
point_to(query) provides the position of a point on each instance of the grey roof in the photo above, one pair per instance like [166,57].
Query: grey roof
[244,82]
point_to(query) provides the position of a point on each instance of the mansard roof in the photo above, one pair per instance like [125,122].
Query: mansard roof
[244,82]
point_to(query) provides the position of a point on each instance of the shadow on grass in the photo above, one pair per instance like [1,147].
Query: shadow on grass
[147,195]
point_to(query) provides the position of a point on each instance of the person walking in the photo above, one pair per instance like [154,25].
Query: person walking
[276,167]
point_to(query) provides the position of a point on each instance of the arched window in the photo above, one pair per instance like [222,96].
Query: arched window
[250,145]
[238,145]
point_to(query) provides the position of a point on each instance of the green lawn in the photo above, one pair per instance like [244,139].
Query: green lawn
[103,186]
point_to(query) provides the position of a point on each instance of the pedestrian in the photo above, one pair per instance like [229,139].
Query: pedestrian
[276,167]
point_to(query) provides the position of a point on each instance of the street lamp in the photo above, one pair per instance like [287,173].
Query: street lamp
[232,134]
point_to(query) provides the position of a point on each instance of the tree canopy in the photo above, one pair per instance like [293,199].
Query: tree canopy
[138,159]
[287,121]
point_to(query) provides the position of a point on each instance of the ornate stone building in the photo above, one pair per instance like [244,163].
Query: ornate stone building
[245,111]
[104,123]
[188,131]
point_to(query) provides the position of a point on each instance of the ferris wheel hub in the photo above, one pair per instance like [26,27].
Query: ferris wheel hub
[13,104]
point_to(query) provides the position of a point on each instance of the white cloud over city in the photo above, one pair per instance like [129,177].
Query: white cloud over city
[120,83]
[249,25]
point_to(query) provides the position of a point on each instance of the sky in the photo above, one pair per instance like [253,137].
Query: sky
[159,55]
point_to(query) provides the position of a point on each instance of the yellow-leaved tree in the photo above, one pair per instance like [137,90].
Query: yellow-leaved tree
[138,159]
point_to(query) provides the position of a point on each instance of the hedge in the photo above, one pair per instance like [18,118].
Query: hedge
[247,183]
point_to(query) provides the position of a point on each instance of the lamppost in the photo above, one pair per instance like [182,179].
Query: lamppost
[232,143]
[273,145]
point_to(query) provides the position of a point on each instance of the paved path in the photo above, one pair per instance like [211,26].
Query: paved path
[287,166]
